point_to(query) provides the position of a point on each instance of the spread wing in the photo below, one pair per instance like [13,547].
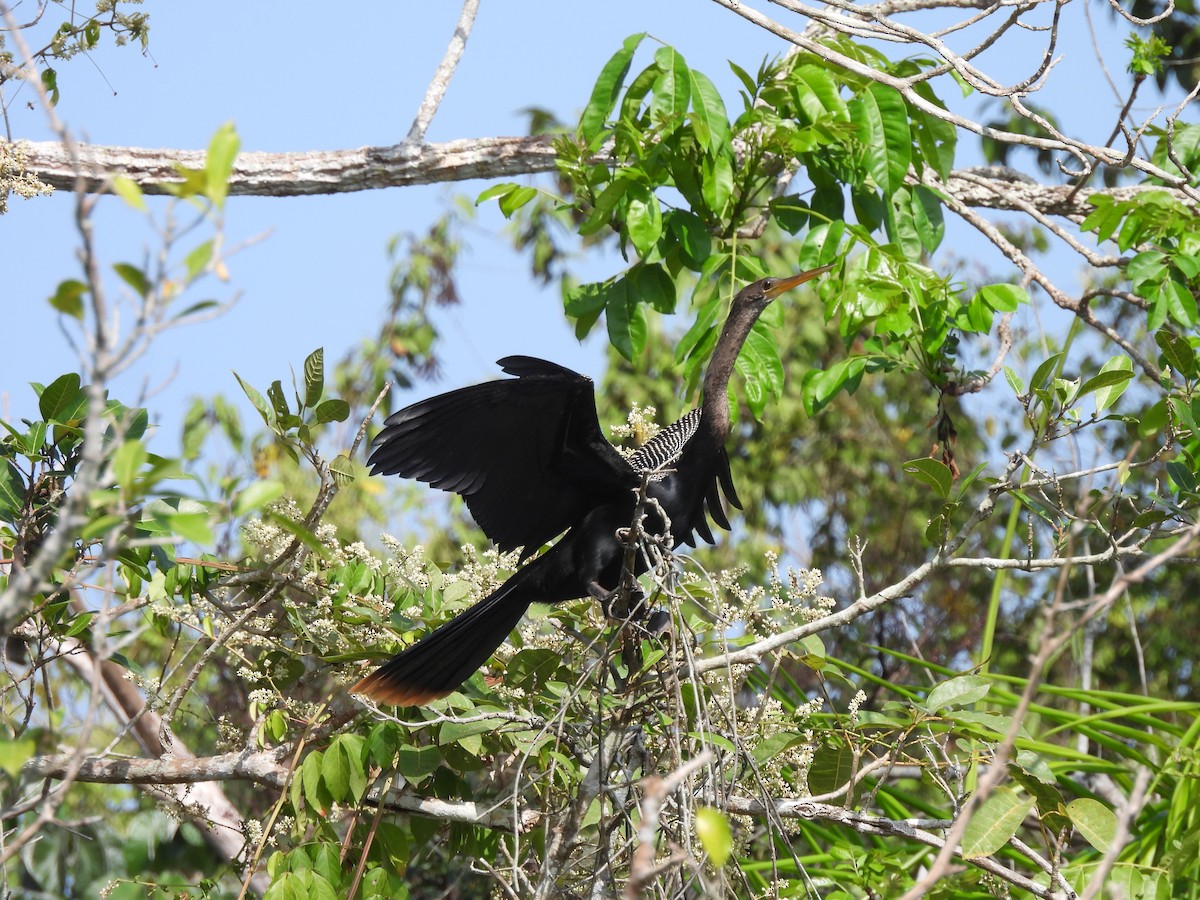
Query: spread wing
[526,453]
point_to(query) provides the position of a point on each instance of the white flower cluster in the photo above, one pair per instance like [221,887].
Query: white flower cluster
[406,565]
[639,427]
[13,175]
[230,737]
[268,539]
[252,829]
[856,703]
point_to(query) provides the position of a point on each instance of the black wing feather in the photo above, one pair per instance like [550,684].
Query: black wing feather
[526,453]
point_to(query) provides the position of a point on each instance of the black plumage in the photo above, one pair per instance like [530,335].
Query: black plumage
[528,456]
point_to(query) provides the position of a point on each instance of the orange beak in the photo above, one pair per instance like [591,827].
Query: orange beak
[786,284]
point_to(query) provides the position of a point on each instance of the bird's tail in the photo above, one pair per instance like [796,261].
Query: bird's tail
[448,656]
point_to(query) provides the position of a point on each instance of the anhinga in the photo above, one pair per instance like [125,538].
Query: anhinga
[529,458]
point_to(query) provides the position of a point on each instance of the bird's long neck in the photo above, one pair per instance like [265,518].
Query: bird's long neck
[714,404]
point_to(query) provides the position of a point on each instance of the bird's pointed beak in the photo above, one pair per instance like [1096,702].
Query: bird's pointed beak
[786,284]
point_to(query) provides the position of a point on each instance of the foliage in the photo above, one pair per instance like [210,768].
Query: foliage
[997,673]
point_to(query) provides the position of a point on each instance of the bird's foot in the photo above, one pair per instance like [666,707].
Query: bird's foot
[652,623]
[657,623]
[607,598]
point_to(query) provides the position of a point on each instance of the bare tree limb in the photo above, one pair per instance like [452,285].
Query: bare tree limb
[445,71]
[303,173]
[262,767]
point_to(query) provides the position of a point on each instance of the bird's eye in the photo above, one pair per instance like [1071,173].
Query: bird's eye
[768,283]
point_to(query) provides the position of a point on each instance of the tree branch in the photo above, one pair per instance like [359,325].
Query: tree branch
[263,174]
[262,767]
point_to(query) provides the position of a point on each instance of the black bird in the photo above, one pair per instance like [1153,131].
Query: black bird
[530,459]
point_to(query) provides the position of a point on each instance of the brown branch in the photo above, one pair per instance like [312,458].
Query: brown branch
[642,869]
[262,767]
[301,173]
[316,172]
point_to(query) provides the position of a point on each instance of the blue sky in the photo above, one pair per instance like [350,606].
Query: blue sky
[305,76]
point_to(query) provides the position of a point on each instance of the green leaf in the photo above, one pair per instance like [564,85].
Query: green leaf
[191,183]
[1181,303]
[314,377]
[1094,821]
[192,527]
[257,495]
[513,200]
[496,190]
[1150,265]
[936,138]
[717,185]
[1003,297]
[1014,381]
[333,410]
[198,259]
[656,287]
[129,191]
[1184,478]
[672,87]
[902,225]
[50,83]
[995,822]
[415,763]
[134,277]
[585,299]
[127,462]
[341,467]
[310,774]
[256,398]
[218,164]
[63,400]
[927,215]
[821,97]
[1042,374]
[744,77]
[1109,383]
[335,772]
[820,386]
[12,490]
[1105,218]
[532,667]
[607,88]
[695,241]
[759,364]
[14,754]
[961,691]
[643,218]
[278,400]
[605,204]
[831,768]
[715,835]
[932,472]
[68,297]
[620,320]
[694,337]
[709,117]
[1177,352]
[882,120]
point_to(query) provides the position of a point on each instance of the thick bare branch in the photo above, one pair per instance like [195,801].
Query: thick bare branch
[261,767]
[308,172]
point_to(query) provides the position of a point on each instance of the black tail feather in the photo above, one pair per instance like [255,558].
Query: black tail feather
[445,658]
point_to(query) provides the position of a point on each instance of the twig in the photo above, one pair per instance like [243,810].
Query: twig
[656,790]
[445,71]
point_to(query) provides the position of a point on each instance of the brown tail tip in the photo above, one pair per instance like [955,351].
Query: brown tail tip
[381,690]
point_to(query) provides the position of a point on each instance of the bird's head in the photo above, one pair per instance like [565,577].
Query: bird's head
[763,291]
